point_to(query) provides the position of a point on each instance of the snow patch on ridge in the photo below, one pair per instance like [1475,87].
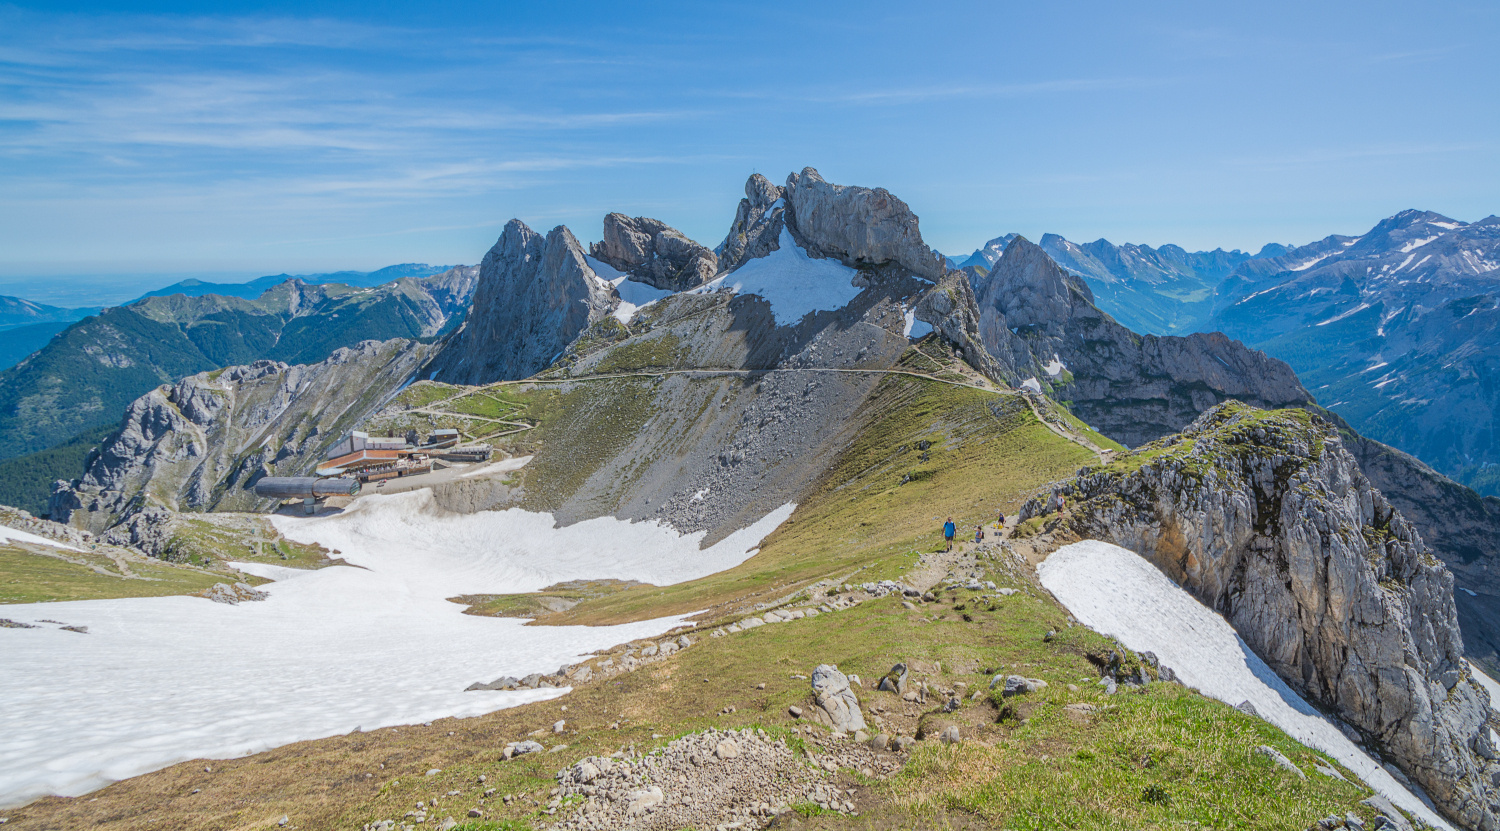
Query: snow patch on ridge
[1120,593]
[634,295]
[8,534]
[795,284]
[916,329]
[162,680]
[1336,318]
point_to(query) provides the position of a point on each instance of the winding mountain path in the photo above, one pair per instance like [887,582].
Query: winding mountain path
[1062,430]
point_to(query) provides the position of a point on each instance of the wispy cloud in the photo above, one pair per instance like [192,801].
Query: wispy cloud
[940,92]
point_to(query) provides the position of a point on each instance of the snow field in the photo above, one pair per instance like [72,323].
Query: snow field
[915,329]
[794,283]
[158,681]
[1119,593]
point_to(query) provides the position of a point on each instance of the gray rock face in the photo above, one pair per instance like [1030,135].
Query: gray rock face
[201,443]
[535,295]
[757,224]
[1267,518]
[654,253]
[836,700]
[1040,323]
[951,310]
[860,226]
[1463,529]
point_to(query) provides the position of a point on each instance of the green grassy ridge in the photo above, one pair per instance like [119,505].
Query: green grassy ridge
[1232,432]
[1049,770]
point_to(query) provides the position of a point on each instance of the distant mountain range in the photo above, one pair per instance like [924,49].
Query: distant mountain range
[89,373]
[26,326]
[255,288]
[1160,291]
[1397,330]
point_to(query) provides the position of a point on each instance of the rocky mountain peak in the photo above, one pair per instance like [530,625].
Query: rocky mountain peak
[1030,289]
[757,224]
[653,252]
[761,192]
[1039,322]
[859,226]
[535,295]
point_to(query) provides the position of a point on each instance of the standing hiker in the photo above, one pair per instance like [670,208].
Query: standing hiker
[978,533]
[949,530]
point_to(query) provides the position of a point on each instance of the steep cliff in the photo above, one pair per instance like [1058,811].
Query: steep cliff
[535,295]
[1267,518]
[757,224]
[201,443]
[1041,321]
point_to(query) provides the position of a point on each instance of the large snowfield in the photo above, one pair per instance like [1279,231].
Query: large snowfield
[1119,593]
[794,283]
[157,681]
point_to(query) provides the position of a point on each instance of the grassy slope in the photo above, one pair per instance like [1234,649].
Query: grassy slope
[988,451]
[1051,771]
[1029,766]
[28,577]
[200,551]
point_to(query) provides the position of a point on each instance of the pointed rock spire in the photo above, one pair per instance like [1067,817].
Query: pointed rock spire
[535,295]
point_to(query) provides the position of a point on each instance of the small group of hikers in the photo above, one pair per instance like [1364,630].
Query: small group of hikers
[950,530]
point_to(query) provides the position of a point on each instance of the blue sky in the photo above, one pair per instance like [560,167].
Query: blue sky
[230,138]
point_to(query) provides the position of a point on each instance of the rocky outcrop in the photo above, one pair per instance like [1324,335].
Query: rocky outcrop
[950,308]
[757,224]
[655,253]
[1267,518]
[535,295]
[1040,322]
[201,443]
[859,226]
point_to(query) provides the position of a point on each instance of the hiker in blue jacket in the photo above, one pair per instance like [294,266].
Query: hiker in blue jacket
[949,530]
